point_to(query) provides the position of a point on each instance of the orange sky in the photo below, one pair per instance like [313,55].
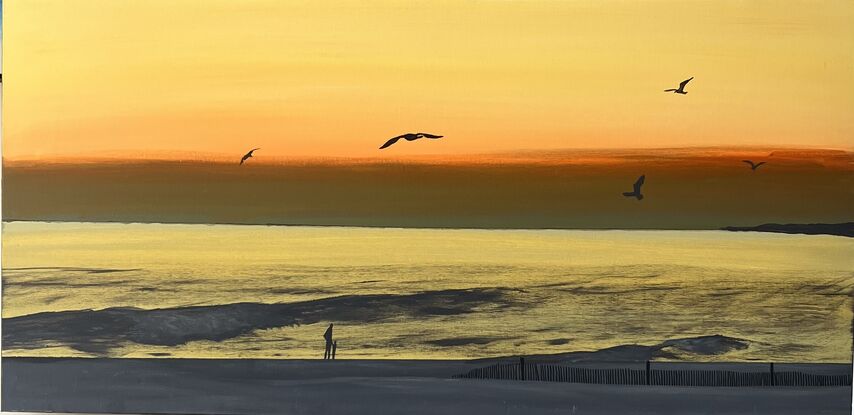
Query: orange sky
[307,78]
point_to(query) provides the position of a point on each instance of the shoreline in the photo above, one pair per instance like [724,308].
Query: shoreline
[448,367]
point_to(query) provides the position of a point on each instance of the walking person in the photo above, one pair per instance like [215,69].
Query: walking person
[328,336]
[334,348]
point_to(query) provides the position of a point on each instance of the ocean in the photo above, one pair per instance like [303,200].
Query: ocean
[230,291]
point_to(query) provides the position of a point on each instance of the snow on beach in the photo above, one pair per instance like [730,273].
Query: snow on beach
[365,387]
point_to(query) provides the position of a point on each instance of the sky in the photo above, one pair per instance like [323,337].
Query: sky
[315,78]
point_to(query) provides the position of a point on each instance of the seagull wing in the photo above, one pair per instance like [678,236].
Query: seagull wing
[392,141]
[639,183]
[760,163]
[749,162]
[431,135]
[685,82]
[247,155]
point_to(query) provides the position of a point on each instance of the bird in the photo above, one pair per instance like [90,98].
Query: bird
[754,166]
[637,189]
[409,137]
[247,155]
[681,89]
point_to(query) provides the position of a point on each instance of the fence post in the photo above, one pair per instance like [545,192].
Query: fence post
[522,368]
[772,373]
[647,372]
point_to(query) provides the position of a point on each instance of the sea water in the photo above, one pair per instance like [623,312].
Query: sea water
[418,293]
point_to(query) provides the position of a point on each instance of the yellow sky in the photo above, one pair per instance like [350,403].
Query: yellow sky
[310,78]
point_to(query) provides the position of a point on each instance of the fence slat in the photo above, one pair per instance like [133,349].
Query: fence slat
[673,377]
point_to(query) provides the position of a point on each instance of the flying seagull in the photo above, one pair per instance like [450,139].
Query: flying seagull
[753,165]
[681,89]
[409,137]
[637,189]
[247,155]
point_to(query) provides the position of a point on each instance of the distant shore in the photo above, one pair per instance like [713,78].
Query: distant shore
[836,229]
[243,386]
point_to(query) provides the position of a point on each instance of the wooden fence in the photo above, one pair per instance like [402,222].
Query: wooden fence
[674,377]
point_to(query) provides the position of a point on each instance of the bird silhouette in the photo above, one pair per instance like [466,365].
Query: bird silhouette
[637,189]
[409,137]
[681,89]
[247,155]
[754,166]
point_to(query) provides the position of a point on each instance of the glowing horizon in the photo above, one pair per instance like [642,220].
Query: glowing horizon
[336,80]
[838,158]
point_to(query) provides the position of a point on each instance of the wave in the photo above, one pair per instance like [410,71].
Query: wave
[677,349]
[464,341]
[65,277]
[99,331]
[77,269]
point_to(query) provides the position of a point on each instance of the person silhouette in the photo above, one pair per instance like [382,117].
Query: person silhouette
[328,336]
[334,348]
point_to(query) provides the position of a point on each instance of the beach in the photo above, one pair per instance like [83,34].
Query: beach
[249,386]
[219,319]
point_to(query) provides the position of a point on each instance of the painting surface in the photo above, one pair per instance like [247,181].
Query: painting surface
[655,194]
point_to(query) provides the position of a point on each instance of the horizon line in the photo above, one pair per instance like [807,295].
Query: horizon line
[479,228]
[525,154]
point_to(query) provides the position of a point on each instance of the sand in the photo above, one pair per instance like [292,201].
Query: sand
[366,387]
